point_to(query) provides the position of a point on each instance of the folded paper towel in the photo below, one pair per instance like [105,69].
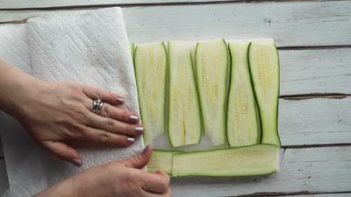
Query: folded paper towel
[90,48]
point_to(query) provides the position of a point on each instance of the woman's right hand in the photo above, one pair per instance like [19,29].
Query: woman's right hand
[124,178]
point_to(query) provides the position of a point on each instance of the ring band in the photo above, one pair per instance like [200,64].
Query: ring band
[97,106]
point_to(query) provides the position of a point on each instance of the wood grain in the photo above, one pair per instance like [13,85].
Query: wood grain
[305,23]
[315,71]
[315,121]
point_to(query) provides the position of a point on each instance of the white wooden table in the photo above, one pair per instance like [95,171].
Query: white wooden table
[314,40]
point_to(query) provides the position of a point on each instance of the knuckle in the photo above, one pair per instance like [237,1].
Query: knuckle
[104,138]
[81,114]
[106,110]
[75,129]
[76,91]
[109,125]
[128,177]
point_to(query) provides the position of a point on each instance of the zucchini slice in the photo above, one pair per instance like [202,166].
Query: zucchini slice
[150,70]
[264,69]
[242,115]
[262,159]
[184,116]
[161,160]
[212,80]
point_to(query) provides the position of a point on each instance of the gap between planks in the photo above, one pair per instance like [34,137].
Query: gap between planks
[297,97]
[148,4]
[295,193]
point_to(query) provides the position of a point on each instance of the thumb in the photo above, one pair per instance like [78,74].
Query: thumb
[63,152]
[139,161]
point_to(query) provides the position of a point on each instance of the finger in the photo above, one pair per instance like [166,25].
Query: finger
[101,137]
[115,113]
[95,93]
[155,183]
[113,126]
[63,152]
[139,161]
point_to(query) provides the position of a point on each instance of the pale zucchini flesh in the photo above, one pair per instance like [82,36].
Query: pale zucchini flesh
[179,88]
[161,160]
[242,116]
[184,117]
[212,81]
[150,61]
[252,160]
[264,69]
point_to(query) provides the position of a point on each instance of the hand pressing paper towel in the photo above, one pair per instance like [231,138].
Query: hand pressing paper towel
[91,48]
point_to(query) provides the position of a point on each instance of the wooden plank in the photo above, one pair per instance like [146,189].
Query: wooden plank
[18,4]
[3,177]
[302,23]
[315,121]
[315,71]
[314,170]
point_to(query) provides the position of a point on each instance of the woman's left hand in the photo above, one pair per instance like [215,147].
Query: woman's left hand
[58,113]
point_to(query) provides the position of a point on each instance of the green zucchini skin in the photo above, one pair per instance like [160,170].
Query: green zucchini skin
[212,69]
[184,114]
[253,160]
[150,64]
[242,116]
[265,74]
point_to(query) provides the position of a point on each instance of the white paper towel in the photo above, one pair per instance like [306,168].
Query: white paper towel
[90,48]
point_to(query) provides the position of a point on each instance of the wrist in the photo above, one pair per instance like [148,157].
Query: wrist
[62,189]
[15,88]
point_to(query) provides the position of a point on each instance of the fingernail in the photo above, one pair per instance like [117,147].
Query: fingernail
[133,118]
[146,149]
[120,100]
[139,130]
[77,162]
[130,139]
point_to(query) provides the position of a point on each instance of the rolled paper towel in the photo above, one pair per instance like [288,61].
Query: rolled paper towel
[91,48]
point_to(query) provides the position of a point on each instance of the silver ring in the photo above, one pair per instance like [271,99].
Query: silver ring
[97,106]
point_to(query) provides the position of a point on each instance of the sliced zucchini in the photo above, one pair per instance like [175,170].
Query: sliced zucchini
[161,160]
[252,160]
[150,69]
[212,80]
[242,115]
[184,116]
[264,69]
